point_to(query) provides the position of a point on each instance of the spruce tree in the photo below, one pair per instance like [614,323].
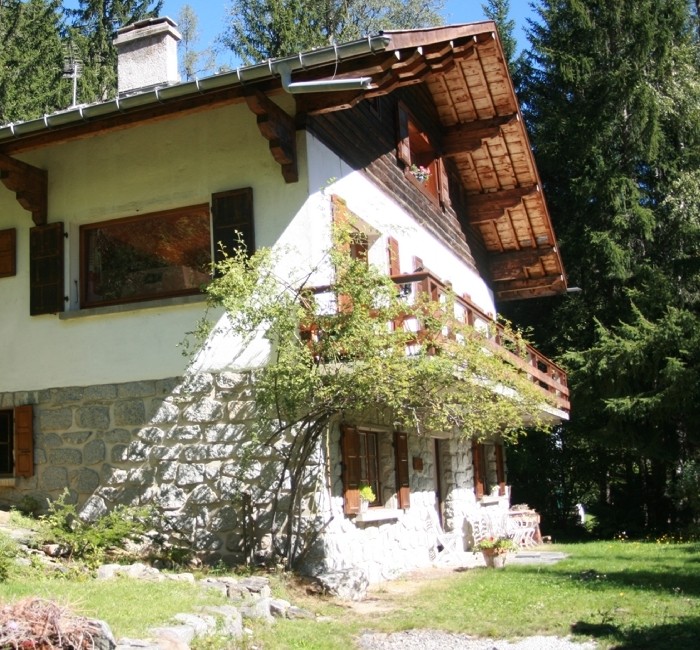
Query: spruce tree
[93,28]
[261,29]
[611,98]
[31,60]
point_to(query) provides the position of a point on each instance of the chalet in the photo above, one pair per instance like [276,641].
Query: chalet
[109,214]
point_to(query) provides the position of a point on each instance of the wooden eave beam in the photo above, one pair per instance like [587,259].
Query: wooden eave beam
[509,265]
[548,285]
[468,137]
[277,127]
[30,185]
[491,206]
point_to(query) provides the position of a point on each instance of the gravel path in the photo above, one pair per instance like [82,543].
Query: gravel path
[435,640]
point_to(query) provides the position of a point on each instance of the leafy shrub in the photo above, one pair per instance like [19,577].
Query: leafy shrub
[8,552]
[91,540]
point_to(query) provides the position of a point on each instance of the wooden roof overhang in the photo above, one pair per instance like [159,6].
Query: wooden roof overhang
[463,67]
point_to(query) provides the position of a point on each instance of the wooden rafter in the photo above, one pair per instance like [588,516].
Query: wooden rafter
[468,137]
[278,128]
[491,206]
[509,264]
[30,185]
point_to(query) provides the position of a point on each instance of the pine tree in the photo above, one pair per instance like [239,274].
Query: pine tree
[192,62]
[261,29]
[93,28]
[31,60]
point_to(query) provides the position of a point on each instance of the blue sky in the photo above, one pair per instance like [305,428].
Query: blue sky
[211,17]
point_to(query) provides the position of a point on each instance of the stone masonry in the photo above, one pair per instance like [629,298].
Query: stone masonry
[185,446]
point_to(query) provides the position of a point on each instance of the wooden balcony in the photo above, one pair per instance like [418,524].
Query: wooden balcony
[547,375]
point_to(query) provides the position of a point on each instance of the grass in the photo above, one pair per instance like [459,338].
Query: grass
[621,594]
[624,595]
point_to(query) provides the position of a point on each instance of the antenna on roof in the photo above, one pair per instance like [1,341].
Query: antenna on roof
[72,69]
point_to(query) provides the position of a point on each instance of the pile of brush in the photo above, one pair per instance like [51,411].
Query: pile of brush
[38,624]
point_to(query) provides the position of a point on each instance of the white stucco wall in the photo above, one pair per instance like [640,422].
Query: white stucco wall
[171,164]
[159,166]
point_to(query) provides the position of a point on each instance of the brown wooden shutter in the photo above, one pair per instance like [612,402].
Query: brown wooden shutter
[478,464]
[24,441]
[403,145]
[444,183]
[393,252]
[232,213]
[8,253]
[46,269]
[403,488]
[352,469]
[500,470]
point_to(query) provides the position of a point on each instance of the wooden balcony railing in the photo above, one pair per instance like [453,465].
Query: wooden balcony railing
[547,375]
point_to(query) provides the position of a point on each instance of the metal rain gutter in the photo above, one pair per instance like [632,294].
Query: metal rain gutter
[282,68]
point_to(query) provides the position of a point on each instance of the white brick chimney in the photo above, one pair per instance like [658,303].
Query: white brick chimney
[147,54]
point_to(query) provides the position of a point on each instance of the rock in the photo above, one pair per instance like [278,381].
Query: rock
[279,607]
[135,644]
[230,619]
[258,610]
[102,637]
[175,636]
[255,584]
[181,577]
[349,584]
[55,550]
[202,624]
[294,613]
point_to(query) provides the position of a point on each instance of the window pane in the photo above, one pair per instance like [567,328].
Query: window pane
[157,255]
[369,460]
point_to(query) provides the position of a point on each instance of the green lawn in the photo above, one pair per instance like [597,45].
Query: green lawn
[622,594]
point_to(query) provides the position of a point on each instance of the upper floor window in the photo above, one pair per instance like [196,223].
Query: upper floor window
[161,254]
[422,163]
[139,258]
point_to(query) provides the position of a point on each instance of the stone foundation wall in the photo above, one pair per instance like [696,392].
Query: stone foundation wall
[171,443]
[185,447]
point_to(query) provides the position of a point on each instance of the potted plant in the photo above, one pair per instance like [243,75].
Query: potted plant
[367,496]
[420,173]
[495,550]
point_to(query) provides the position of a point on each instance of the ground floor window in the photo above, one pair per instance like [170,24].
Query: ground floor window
[16,442]
[489,469]
[378,459]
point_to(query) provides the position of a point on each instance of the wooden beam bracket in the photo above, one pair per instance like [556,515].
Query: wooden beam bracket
[30,185]
[491,206]
[468,137]
[277,127]
[509,265]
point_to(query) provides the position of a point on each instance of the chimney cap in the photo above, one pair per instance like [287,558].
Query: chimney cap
[148,22]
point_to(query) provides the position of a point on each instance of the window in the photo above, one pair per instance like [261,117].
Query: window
[162,254]
[378,460]
[8,262]
[489,469]
[16,442]
[422,164]
[140,258]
